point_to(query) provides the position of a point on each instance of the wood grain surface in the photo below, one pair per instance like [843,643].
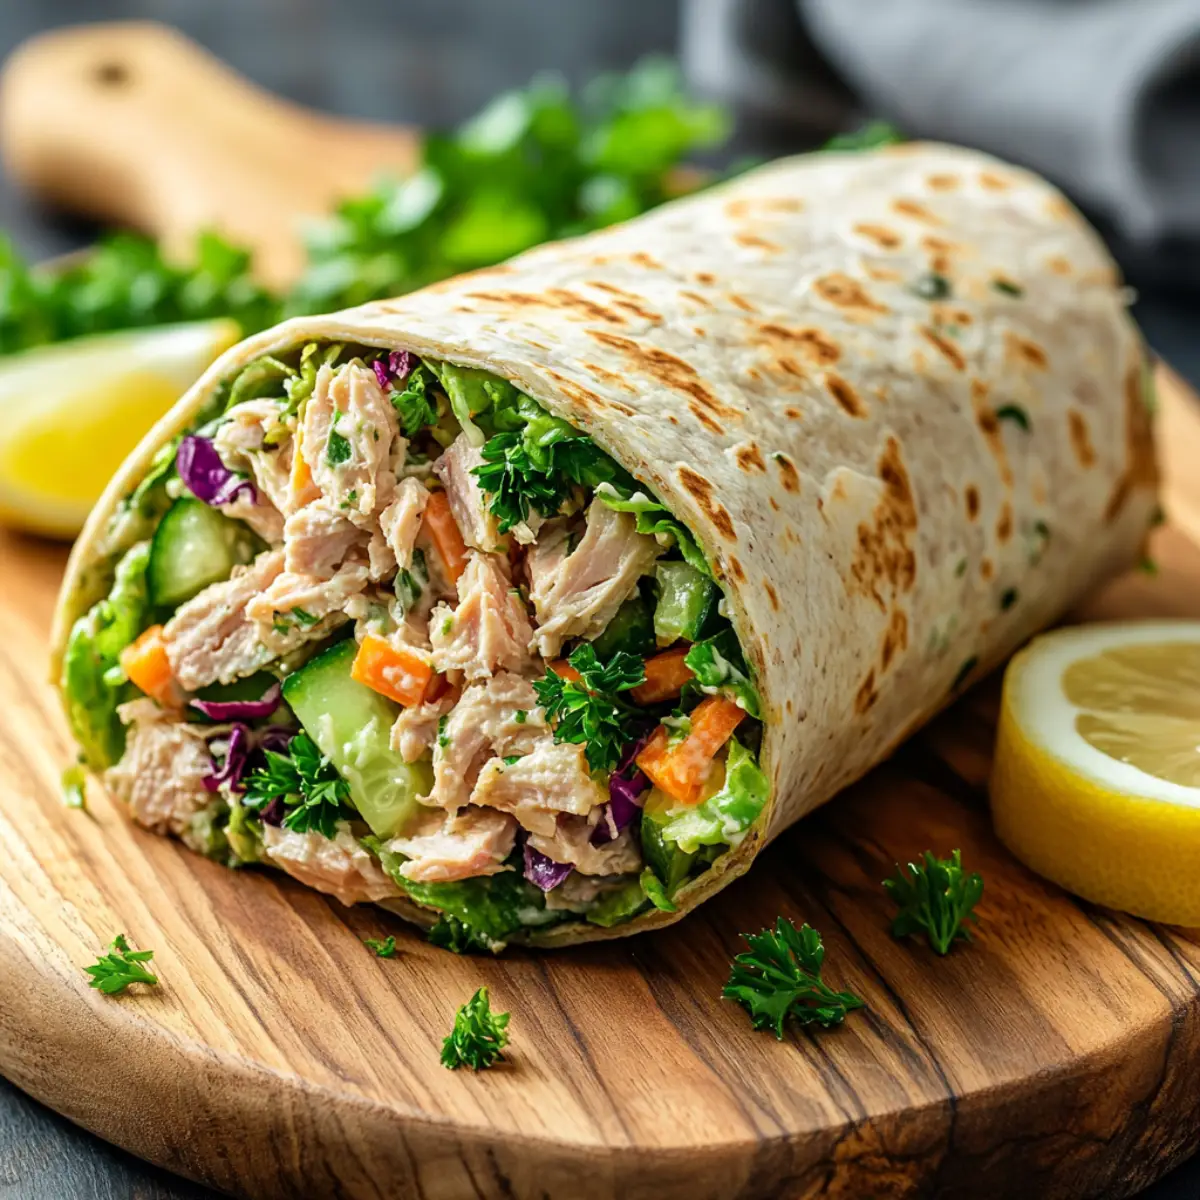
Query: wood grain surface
[1057,1056]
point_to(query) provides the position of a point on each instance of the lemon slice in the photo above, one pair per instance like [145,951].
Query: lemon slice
[70,413]
[1096,781]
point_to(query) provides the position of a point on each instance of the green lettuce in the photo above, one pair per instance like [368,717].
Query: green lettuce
[654,518]
[473,393]
[92,679]
[718,665]
[724,818]
[620,905]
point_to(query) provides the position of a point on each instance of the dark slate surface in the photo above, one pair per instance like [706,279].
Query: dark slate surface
[428,62]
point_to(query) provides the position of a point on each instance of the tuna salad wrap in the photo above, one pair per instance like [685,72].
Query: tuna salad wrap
[532,605]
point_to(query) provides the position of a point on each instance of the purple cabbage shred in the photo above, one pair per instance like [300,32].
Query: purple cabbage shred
[399,367]
[273,813]
[233,766]
[241,710]
[626,786]
[544,872]
[207,477]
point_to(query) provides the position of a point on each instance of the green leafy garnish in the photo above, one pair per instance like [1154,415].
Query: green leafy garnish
[478,1037]
[74,783]
[655,519]
[384,949]
[307,782]
[931,286]
[337,449]
[456,936]
[115,971]
[1007,287]
[1014,413]
[870,137]
[935,898]
[726,816]
[780,977]
[416,406]
[719,667]
[590,711]
[656,893]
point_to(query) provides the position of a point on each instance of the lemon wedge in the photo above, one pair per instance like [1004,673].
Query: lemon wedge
[1096,780]
[70,413]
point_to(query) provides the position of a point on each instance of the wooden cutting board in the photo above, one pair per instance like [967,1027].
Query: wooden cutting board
[1057,1056]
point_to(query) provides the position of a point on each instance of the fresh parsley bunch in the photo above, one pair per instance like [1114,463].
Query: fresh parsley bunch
[589,710]
[308,784]
[115,971]
[478,1037]
[935,897]
[780,977]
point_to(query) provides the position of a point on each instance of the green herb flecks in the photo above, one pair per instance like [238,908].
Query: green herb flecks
[590,710]
[416,404]
[456,936]
[113,972]
[964,671]
[443,739]
[871,136]
[1014,413]
[780,977]
[74,786]
[931,286]
[655,892]
[478,1037]
[337,449]
[308,784]
[1147,565]
[1008,598]
[1008,287]
[936,898]
[381,949]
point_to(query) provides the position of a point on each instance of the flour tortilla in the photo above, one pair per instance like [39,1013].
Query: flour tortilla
[776,361]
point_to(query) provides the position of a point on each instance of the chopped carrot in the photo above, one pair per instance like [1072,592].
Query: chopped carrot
[145,662]
[666,674]
[564,670]
[303,489]
[398,672]
[444,532]
[682,769]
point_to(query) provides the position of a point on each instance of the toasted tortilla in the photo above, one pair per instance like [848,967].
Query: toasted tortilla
[896,395]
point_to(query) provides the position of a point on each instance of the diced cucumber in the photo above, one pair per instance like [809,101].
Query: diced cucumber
[631,629]
[193,546]
[664,858]
[351,725]
[686,599]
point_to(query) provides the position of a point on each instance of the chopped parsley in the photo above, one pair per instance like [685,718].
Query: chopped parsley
[961,568]
[1014,413]
[509,759]
[931,286]
[115,971]
[871,136]
[384,949]
[1008,288]
[305,619]
[337,449]
[780,977]
[310,787]
[589,710]
[456,936]
[1148,566]
[74,785]
[520,716]
[442,739]
[478,1037]
[1008,598]
[936,898]
[964,671]
[416,406]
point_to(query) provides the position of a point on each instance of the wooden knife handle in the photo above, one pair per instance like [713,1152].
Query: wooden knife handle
[135,124]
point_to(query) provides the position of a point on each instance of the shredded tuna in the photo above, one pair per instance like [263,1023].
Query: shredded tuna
[316,540]
[577,893]
[571,843]
[381,562]
[349,434]
[487,720]
[338,866]
[454,846]
[576,594]
[415,729]
[241,441]
[489,631]
[161,774]
[211,638]
[467,501]
[296,609]
[553,778]
[401,520]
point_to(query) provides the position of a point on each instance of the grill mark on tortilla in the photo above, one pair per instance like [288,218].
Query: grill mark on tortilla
[992,182]
[817,345]
[895,637]
[1059,265]
[847,398]
[866,695]
[645,260]
[552,298]
[773,503]
[971,495]
[738,571]
[948,349]
[793,414]
[696,298]
[881,235]
[700,490]
[883,274]
[989,425]
[740,209]
[943,183]
[1081,438]
[1004,525]
[749,458]
[907,207]
[884,555]
[705,277]
[703,417]
[669,369]
[788,475]
[741,302]
[577,392]
[1025,351]
[629,301]
[844,291]
[1141,467]
[753,242]
[772,594]
[986,569]
[613,377]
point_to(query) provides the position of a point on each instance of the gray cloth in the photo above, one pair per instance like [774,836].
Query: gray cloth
[1102,96]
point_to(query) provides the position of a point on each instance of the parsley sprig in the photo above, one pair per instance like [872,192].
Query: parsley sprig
[381,949]
[115,971]
[315,794]
[589,710]
[415,403]
[459,938]
[780,977]
[935,897]
[478,1037]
